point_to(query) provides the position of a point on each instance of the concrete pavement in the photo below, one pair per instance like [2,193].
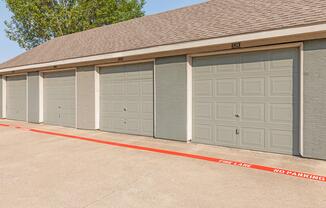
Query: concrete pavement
[39,170]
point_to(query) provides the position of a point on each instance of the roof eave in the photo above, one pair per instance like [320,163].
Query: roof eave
[178,46]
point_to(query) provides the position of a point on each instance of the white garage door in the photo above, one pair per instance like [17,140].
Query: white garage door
[60,98]
[126,99]
[248,100]
[16,97]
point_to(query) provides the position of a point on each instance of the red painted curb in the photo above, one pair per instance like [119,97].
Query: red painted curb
[187,155]
[5,125]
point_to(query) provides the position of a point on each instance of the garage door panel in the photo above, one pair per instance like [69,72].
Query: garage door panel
[133,75]
[141,75]
[203,88]
[254,62]
[133,88]
[204,71]
[134,101]
[226,68]
[116,89]
[203,133]
[16,97]
[281,86]
[281,141]
[226,64]
[147,88]
[253,87]
[284,60]
[147,108]
[51,111]
[221,64]
[252,138]
[254,108]
[253,67]
[266,125]
[114,124]
[139,107]
[226,111]
[133,107]
[281,113]
[67,118]
[252,112]
[203,111]
[226,87]
[52,117]
[147,126]
[226,135]
[133,125]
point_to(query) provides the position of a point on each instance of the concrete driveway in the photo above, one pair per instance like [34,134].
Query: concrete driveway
[39,170]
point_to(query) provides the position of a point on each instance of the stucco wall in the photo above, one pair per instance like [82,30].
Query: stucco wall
[171,98]
[314,138]
[86,97]
[33,97]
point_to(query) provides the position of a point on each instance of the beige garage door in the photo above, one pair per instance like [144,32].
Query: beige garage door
[247,100]
[126,99]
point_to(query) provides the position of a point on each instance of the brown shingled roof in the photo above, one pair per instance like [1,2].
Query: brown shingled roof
[212,19]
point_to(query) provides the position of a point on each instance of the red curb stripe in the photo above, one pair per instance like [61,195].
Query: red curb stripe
[297,174]
[193,156]
[5,125]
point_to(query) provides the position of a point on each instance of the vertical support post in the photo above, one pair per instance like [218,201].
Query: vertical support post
[4,96]
[189,98]
[27,97]
[97,98]
[154,99]
[41,99]
[76,98]
[301,99]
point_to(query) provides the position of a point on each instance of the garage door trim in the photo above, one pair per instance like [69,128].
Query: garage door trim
[298,45]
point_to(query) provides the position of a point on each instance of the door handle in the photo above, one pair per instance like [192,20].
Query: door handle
[237,115]
[124,109]
[237,131]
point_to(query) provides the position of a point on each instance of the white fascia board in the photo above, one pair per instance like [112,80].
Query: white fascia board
[180,46]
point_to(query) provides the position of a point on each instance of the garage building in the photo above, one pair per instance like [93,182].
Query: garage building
[242,74]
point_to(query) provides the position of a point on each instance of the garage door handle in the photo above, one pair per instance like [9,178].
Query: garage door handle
[237,131]
[125,109]
[237,115]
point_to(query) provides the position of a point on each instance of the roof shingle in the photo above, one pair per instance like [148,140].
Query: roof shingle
[212,19]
